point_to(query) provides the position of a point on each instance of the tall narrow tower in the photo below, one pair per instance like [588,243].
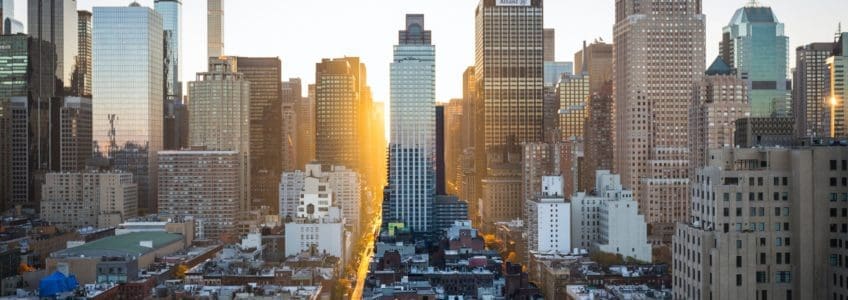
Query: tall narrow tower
[655,72]
[215,27]
[412,150]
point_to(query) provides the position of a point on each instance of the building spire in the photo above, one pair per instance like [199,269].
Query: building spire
[753,3]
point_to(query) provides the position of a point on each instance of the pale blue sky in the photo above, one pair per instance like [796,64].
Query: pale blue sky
[301,32]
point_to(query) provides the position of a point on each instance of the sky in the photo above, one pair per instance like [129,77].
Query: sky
[301,32]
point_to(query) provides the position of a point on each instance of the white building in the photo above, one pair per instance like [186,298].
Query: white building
[325,233]
[609,220]
[77,200]
[549,219]
[341,184]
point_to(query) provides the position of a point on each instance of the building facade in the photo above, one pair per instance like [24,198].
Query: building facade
[765,223]
[596,59]
[548,218]
[75,200]
[809,106]
[836,88]
[573,92]
[412,149]
[75,146]
[510,83]
[221,116]
[755,45]
[206,185]
[764,132]
[28,89]
[127,120]
[81,81]
[609,221]
[215,28]
[655,71]
[171,12]
[339,87]
[597,134]
[55,21]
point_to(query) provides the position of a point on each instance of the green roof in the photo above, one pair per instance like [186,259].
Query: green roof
[121,245]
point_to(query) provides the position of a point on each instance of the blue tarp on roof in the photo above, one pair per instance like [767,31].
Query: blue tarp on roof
[55,284]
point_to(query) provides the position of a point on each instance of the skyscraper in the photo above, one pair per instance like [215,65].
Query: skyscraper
[75,134]
[809,107]
[655,72]
[306,128]
[836,88]
[412,148]
[597,134]
[339,88]
[220,116]
[596,60]
[722,98]
[291,123]
[81,81]
[755,45]
[549,44]
[453,144]
[573,93]
[171,12]
[127,121]
[265,76]
[215,28]
[28,89]
[55,21]
[510,82]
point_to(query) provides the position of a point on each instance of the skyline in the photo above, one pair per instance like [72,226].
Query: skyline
[453,32]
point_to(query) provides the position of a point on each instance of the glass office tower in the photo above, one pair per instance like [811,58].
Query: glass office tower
[127,81]
[412,150]
[175,123]
[55,21]
[754,44]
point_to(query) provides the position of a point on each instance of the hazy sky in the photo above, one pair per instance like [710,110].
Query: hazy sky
[301,32]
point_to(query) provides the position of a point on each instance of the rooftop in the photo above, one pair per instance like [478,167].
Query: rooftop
[121,245]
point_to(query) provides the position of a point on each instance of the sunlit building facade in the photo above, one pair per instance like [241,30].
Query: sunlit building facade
[596,60]
[809,107]
[215,28]
[573,93]
[836,88]
[412,149]
[128,81]
[338,90]
[81,82]
[75,134]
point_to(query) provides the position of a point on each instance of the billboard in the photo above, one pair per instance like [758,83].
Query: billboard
[512,2]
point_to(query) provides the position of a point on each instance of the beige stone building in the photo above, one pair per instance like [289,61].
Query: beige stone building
[766,224]
[88,199]
[658,58]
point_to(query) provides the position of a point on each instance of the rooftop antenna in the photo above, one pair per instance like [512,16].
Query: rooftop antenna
[753,3]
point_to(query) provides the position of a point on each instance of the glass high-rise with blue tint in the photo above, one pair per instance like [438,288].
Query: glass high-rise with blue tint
[412,150]
[754,44]
[127,84]
[171,12]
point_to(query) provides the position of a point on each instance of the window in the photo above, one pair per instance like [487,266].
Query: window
[738,196]
[738,211]
[784,277]
[726,211]
[738,279]
[777,181]
[833,181]
[738,261]
[787,242]
[779,258]
[777,211]
[762,258]
[761,277]
[778,242]
[726,197]
[738,244]
[833,165]
[788,258]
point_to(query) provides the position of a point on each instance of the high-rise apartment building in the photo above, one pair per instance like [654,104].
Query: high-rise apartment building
[214,28]
[75,147]
[81,81]
[596,60]
[755,45]
[510,82]
[291,123]
[573,92]
[809,106]
[221,116]
[655,70]
[722,99]
[597,134]
[836,88]
[306,128]
[339,88]
[127,120]
[453,144]
[74,200]
[766,223]
[55,21]
[265,77]
[27,90]
[171,12]
[205,185]
[412,148]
